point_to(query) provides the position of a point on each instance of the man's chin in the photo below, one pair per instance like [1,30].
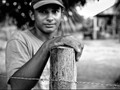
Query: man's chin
[50,30]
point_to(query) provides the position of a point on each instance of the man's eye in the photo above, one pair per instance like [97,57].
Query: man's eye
[43,11]
[55,11]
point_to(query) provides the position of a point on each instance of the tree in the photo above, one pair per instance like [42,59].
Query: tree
[19,9]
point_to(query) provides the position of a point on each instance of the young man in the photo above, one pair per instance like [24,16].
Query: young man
[27,52]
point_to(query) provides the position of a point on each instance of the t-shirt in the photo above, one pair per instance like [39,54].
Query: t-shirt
[20,49]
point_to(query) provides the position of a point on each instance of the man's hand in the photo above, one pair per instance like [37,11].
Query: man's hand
[69,41]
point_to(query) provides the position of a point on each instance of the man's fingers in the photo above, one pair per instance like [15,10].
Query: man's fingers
[78,47]
[71,42]
[58,43]
[78,54]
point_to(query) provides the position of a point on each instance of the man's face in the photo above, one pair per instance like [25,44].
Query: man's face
[48,18]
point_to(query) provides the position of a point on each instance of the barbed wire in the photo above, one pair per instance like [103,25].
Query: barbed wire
[77,82]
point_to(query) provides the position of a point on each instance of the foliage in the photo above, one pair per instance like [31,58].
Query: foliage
[117,6]
[19,9]
[71,3]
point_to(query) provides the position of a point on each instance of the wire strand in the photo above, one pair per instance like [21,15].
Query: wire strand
[87,83]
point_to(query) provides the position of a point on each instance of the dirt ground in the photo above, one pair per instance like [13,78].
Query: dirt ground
[99,64]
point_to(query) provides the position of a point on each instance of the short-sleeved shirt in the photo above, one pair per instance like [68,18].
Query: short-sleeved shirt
[20,49]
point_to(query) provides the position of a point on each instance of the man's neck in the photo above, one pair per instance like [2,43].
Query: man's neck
[43,36]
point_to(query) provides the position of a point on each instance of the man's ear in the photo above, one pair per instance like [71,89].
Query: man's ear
[31,14]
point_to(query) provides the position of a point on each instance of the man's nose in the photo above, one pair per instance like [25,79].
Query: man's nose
[50,17]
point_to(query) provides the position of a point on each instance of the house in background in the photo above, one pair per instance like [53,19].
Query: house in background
[107,23]
[103,15]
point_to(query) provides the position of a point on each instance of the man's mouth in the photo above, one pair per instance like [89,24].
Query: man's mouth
[49,25]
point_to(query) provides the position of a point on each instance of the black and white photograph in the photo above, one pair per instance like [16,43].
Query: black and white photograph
[59,44]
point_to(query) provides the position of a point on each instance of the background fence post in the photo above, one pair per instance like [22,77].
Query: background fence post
[63,71]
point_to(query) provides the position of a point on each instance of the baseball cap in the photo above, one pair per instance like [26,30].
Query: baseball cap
[38,3]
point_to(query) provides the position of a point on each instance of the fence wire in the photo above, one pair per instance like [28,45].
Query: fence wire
[77,82]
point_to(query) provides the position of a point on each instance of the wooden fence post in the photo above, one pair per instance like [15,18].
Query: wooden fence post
[63,71]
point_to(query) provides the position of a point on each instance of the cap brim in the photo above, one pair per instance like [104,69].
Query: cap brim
[41,3]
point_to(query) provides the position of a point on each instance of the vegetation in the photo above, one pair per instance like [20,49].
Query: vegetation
[19,9]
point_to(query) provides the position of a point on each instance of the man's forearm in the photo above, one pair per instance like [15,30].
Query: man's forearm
[32,69]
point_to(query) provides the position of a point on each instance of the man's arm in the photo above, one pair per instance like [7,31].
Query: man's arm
[32,69]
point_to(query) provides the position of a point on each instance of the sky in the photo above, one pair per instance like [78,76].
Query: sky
[93,8]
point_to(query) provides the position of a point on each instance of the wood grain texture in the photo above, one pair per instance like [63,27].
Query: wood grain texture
[63,72]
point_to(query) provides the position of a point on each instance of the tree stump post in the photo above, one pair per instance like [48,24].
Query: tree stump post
[63,71]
